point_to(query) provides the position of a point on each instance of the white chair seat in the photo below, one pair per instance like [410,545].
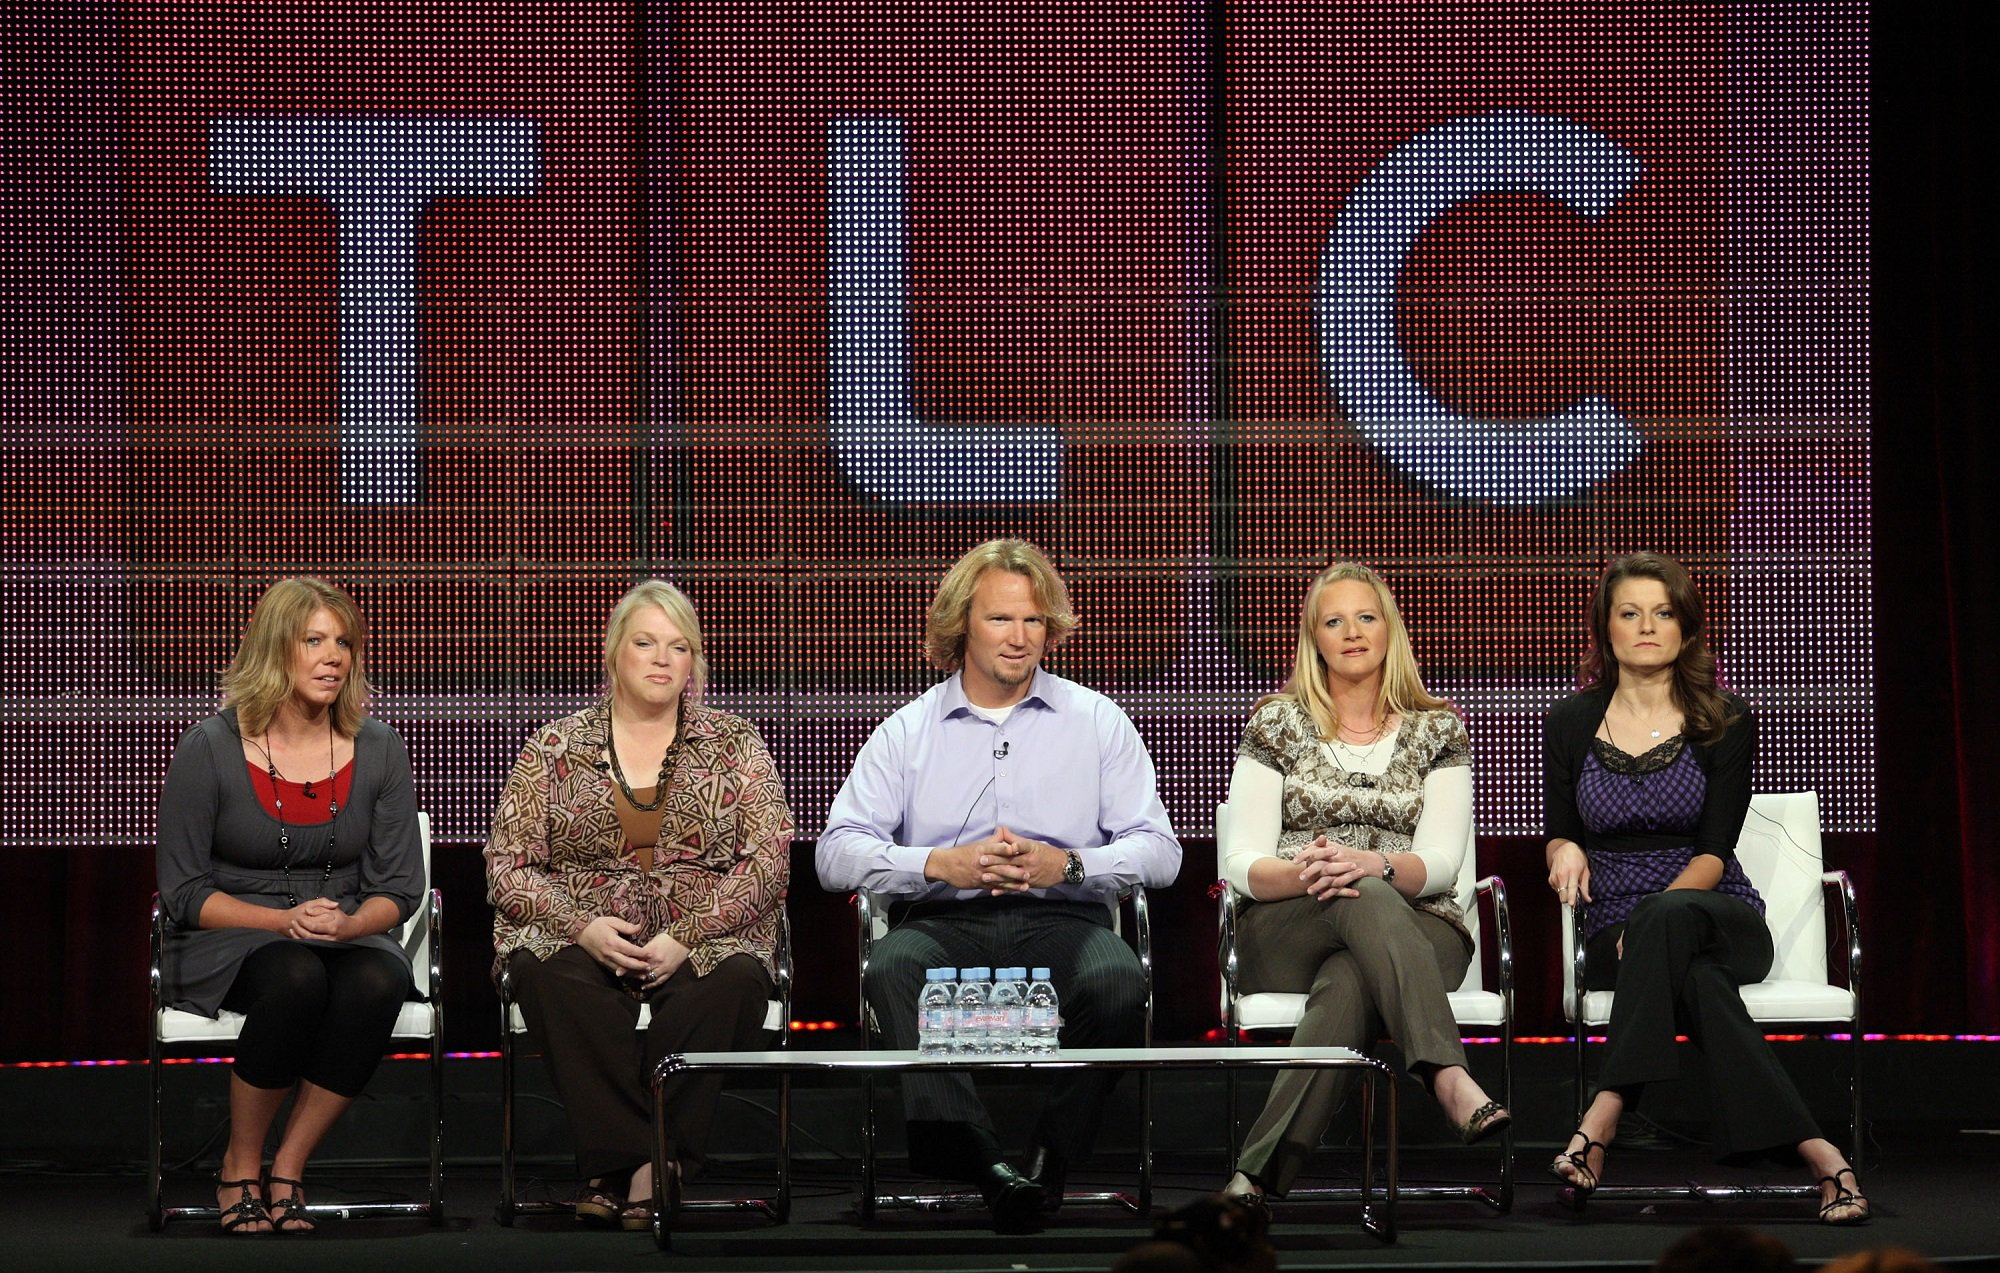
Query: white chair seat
[419,1023]
[1779,848]
[413,1021]
[1472,1004]
[1770,1003]
[774,1017]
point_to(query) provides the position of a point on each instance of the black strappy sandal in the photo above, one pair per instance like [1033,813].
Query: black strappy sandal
[289,1215]
[1844,1197]
[248,1209]
[1585,1182]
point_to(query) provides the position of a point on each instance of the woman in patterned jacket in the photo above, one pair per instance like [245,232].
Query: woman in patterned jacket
[615,885]
[1350,812]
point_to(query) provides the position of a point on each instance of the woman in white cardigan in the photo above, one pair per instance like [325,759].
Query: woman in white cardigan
[1350,807]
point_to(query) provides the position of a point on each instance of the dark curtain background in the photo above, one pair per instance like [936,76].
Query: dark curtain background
[73,985]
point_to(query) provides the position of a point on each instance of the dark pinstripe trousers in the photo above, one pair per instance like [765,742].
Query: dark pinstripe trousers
[1097,978]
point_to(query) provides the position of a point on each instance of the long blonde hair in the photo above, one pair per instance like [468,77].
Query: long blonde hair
[1402,685]
[680,612]
[951,609]
[259,679]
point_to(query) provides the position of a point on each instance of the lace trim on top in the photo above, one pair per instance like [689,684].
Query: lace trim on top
[1648,762]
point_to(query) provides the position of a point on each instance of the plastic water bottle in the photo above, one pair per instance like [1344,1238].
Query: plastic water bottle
[936,1022]
[1041,1025]
[969,1034]
[1004,1011]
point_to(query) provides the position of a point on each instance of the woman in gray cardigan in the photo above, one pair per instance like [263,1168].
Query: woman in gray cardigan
[288,853]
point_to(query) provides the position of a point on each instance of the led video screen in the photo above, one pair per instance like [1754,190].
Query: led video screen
[485,311]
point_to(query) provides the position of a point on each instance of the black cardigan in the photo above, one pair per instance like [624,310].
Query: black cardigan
[1566,734]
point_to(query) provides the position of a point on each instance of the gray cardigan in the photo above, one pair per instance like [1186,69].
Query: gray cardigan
[215,837]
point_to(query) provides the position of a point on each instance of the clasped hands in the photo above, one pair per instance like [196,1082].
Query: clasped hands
[608,940]
[1330,869]
[1004,862]
[321,918]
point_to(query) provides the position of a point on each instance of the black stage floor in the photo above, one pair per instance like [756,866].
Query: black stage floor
[1933,1190]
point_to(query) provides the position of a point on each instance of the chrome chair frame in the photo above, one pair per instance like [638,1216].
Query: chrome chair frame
[777,1018]
[1472,1005]
[1800,938]
[418,1022]
[872,910]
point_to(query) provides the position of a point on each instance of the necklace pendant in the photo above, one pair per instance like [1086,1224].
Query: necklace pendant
[310,794]
[1656,733]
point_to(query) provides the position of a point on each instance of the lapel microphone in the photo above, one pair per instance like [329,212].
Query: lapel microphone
[1000,752]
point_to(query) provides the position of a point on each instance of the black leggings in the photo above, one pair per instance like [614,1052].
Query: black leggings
[316,1012]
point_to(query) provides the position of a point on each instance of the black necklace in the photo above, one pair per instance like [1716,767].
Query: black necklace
[285,832]
[618,771]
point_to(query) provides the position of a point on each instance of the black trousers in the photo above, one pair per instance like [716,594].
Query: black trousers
[317,1012]
[1686,953]
[1097,978]
[587,1029]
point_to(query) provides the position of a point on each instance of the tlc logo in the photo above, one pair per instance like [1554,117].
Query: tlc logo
[884,290]
[378,176]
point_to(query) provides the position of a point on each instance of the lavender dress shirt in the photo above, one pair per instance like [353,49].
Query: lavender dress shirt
[1066,767]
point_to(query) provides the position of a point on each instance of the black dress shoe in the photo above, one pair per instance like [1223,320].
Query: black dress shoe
[1049,1169]
[1014,1200]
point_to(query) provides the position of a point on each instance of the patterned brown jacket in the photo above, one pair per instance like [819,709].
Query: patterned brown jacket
[556,860]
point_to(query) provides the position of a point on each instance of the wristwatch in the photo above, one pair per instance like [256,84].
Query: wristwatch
[1388,867]
[1073,868]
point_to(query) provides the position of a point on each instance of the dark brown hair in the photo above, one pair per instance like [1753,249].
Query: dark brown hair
[1706,711]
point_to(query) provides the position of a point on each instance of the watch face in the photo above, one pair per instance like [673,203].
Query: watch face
[1073,871]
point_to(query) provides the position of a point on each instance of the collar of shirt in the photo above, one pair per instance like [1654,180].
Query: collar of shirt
[1044,691]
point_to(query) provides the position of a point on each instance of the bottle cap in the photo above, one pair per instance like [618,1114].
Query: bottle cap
[1041,974]
[976,974]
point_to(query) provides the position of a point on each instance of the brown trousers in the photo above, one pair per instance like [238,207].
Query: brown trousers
[1368,964]
[586,1027]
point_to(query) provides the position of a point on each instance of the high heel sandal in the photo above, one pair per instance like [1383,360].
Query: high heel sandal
[1844,1197]
[288,1215]
[248,1208]
[1584,1183]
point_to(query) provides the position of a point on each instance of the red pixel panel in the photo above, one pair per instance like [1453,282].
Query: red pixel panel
[1477,249]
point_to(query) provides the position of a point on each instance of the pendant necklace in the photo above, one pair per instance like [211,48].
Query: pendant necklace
[618,771]
[278,802]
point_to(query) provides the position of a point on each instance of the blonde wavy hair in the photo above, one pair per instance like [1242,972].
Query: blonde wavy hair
[259,679]
[1402,685]
[680,612]
[951,609]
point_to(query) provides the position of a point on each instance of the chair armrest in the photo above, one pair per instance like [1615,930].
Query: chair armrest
[1495,891]
[1142,940]
[154,947]
[434,922]
[1225,953]
[783,963]
[1850,923]
[1574,973]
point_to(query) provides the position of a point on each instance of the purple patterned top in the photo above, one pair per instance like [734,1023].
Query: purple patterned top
[1659,793]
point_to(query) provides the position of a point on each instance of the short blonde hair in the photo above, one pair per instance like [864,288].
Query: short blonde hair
[1402,685]
[951,609]
[680,612]
[259,679]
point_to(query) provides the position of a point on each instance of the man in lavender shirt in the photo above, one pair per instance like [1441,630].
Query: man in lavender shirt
[1005,810]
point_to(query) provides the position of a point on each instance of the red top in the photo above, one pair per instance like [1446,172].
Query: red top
[301,810]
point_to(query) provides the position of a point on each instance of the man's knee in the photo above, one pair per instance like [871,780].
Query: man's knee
[897,964]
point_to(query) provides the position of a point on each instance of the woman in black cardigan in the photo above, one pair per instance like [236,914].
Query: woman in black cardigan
[1647,784]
